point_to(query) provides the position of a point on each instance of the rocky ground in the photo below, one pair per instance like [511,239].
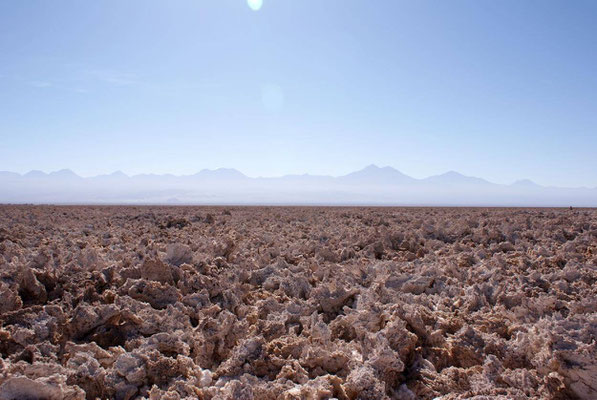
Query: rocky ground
[297,303]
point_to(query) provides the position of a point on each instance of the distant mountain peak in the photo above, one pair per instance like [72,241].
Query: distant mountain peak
[374,174]
[376,168]
[452,173]
[453,177]
[228,171]
[371,167]
[64,173]
[35,174]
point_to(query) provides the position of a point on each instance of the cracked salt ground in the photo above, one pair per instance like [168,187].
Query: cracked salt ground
[297,303]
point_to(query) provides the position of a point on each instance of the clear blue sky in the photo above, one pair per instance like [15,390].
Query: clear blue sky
[498,89]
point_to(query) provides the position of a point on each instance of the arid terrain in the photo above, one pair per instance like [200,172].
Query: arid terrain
[297,303]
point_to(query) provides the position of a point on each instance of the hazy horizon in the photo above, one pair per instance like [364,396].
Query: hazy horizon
[372,166]
[499,90]
[367,186]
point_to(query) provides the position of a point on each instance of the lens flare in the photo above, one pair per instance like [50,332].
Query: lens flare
[255,5]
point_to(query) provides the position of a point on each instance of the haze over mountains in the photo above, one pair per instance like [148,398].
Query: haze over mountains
[370,186]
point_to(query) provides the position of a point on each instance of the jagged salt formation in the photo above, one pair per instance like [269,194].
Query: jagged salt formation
[297,303]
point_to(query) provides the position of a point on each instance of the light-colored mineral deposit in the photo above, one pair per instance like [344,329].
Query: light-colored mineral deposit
[297,303]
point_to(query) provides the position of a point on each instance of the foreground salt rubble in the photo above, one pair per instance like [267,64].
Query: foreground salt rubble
[297,303]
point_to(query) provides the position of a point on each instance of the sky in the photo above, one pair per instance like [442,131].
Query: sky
[503,90]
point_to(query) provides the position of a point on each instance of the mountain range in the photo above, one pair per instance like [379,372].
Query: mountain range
[371,185]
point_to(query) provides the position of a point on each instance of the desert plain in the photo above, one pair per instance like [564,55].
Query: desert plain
[297,303]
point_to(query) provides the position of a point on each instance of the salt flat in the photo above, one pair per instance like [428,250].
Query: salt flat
[297,302]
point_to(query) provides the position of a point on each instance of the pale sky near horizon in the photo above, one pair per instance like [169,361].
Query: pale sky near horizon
[502,90]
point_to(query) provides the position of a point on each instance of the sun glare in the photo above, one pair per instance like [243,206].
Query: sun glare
[255,4]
